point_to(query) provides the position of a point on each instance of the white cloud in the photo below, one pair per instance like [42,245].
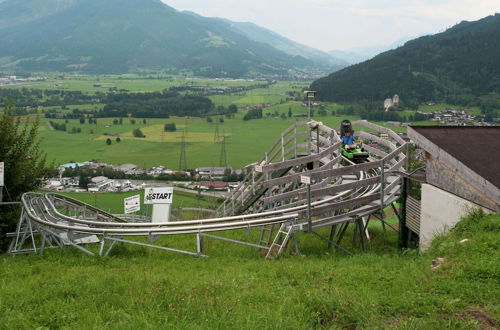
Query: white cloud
[342,24]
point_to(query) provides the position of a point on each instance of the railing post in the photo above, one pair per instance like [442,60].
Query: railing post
[199,243]
[282,148]
[382,186]
[253,181]
[317,139]
[309,221]
[295,140]
[403,230]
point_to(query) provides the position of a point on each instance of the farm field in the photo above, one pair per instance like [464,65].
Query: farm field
[246,141]
[234,287]
[130,82]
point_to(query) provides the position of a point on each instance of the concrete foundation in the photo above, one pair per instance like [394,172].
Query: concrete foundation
[440,212]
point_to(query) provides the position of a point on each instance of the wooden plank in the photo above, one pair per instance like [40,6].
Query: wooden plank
[283,196]
[348,216]
[344,170]
[395,152]
[347,204]
[299,161]
[295,136]
[377,139]
[296,177]
[398,166]
[341,187]
[381,129]
[374,151]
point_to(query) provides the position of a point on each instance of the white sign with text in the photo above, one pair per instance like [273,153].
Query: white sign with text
[305,179]
[158,195]
[132,204]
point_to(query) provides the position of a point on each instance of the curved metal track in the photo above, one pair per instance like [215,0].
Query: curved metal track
[271,194]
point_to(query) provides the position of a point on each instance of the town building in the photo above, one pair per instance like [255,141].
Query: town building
[211,173]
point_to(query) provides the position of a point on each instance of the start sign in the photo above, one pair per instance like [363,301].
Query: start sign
[158,195]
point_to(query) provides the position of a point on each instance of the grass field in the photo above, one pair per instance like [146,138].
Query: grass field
[113,202]
[235,288]
[132,83]
[246,141]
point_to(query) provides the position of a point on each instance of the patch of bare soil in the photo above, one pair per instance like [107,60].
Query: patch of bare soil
[484,321]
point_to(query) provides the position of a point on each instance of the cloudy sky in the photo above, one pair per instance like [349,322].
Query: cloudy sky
[345,24]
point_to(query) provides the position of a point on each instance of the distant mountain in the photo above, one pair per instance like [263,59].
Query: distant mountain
[286,45]
[106,36]
[459,64]
[361,54]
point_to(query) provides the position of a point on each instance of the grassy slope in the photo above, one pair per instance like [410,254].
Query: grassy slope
[235,288]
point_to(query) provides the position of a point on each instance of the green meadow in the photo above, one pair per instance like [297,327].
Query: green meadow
[113,202]
[246,141]
[235,288]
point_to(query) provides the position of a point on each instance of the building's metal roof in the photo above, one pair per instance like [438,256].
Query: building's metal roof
[478,148]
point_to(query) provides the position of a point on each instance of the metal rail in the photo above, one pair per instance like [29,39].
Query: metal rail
[271,185]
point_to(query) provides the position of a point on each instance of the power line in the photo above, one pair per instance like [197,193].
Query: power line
[223,156]
[182,158]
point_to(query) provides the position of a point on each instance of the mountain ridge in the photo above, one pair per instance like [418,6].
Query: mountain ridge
[115,36]
[457,65]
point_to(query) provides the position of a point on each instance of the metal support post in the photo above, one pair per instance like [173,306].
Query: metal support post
[199,244]
[332,235]
[382,186]
[333,243]
[309,221]
[309,108]
[403,230]
[317,139]
[361,233]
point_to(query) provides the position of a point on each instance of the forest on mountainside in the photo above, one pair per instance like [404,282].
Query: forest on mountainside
[459,66]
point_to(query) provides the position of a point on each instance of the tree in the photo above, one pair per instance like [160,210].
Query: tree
[283,116]
[138,133]
[84,181]
[108,141]
[82,120]
[209,119]
[118,139]
[289,112]
[233,108]
[25,166]
[170,127]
